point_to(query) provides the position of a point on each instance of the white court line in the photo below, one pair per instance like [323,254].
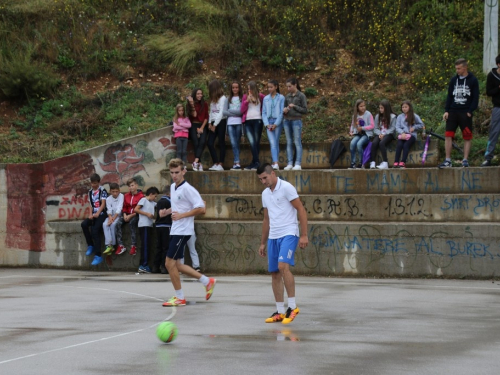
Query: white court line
[172,314]
[329,282]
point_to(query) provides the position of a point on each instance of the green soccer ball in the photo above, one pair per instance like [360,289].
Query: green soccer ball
[166,331]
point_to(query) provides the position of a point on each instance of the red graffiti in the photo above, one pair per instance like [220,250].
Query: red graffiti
[121,163]
[74,213]
[81,200]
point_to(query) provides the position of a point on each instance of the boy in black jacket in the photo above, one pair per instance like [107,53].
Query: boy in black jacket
[462,101]
[493,90]
[163,224]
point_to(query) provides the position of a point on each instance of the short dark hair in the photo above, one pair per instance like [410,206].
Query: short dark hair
[461,61]
[114,186]
[266,167]
[497,59]
[166,189]
[94,177]
[152,190]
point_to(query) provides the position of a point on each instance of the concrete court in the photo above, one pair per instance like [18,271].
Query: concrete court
[74,322]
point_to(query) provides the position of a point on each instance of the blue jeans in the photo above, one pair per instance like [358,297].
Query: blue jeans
[358,143]
[253,128]
[235,136]
[293,132]
[274,142]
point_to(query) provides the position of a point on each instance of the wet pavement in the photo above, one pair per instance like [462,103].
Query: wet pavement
[74,322]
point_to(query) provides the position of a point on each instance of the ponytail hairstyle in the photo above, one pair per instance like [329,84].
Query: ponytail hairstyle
[252,86]
[356,112]
[385,117]
[275,83]
[215,91]
[294,81]
[410,116]
[240,91]
[177,107]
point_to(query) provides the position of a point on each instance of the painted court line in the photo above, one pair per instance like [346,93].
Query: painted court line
[172,314]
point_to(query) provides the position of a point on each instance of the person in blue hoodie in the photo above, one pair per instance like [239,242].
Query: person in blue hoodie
[407,124]
[462,101]
[493,90]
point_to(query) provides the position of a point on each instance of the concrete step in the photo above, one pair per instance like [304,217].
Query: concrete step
[344,248]
[366,207]
[353,182]
[317,155]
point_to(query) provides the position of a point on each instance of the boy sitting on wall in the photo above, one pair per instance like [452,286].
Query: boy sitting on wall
[130,201]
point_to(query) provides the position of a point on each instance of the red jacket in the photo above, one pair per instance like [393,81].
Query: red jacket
[244,106]
[130,201]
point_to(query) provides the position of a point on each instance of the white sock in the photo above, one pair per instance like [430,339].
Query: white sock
[280,306]
[291,303]
[204,280]
[179,294]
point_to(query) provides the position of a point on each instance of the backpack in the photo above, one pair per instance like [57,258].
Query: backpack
[337,148]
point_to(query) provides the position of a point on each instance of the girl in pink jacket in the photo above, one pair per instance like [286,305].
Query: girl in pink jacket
[181,131]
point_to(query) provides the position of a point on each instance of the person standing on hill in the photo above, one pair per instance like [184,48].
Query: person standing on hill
[461,102]
[280,231]
[251,115]
[493,90]
[217,124]
[197,109]
[294,108]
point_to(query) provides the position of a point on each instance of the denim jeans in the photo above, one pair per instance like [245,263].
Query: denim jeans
[235,136]
[358,144]
[182,144]
[220,132]
[253,129]
[198,143]
[293,132]
[274,142]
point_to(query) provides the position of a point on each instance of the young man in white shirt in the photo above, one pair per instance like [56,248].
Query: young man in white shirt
[186,204]
[281,232]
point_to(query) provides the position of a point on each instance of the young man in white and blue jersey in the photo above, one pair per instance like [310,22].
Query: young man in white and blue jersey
[280,230]
[186,204]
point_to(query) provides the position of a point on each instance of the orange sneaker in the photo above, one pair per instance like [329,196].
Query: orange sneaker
[174,301]
[210,288]
[290,315]
[275,318]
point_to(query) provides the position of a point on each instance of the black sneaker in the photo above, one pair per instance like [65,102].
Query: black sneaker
[353,166]
[486,163]
[197,269]
[465,163]
[445,164]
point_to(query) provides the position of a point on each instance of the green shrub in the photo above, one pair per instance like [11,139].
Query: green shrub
[310,92]
[21,77]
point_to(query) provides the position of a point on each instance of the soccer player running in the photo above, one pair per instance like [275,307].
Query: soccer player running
[186,204]
[281,231]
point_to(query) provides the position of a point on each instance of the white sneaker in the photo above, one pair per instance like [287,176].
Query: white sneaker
[276,166]
[200,167]
[383,165]
[297,167]
[218,167]
[372,165]
[195,166]
[213,167]
[288,167]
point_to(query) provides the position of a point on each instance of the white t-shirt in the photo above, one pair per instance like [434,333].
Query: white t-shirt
[253,112]
[114,206]
[282,215]
[184,198]
[148,207]
[234,104]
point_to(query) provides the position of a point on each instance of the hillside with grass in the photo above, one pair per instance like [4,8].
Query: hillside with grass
[79,73]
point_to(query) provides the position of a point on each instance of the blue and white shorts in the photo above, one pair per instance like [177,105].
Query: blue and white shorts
[281,250]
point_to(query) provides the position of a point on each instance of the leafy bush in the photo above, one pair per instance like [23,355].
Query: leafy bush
[20,77]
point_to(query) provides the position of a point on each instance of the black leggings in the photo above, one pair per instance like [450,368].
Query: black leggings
[405,147]
[382,143]
[198,143]
[220,132]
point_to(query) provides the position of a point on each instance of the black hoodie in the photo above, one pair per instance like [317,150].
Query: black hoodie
[463,94]
[493,87]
